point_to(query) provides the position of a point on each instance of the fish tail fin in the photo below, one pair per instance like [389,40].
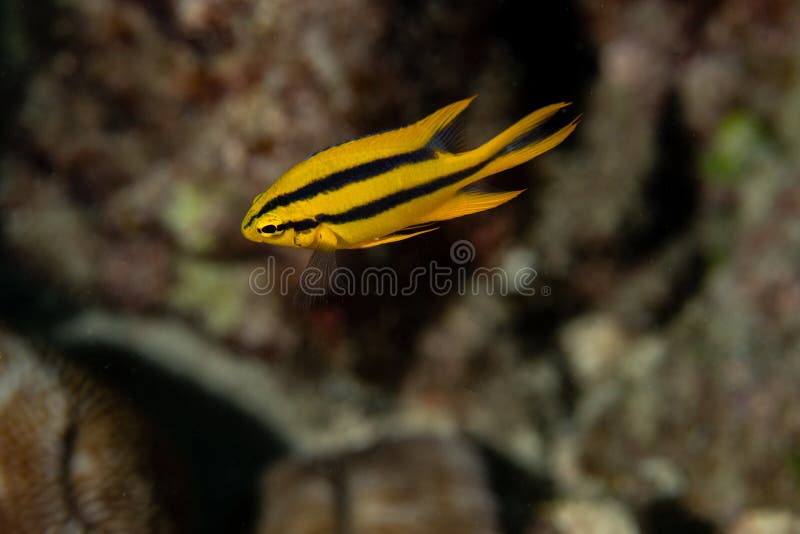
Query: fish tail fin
[523,141]
[443,129]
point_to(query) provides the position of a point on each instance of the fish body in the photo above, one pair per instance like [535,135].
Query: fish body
[393,185]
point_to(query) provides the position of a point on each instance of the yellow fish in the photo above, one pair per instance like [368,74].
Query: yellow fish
[395,184]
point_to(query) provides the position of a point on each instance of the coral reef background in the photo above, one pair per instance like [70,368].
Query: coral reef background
[650,384]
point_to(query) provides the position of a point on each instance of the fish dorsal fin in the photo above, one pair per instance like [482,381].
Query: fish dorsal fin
[445,127]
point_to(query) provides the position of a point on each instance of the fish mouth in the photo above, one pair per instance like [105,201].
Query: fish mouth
[250,236]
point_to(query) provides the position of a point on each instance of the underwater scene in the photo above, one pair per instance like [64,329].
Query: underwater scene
[400,266]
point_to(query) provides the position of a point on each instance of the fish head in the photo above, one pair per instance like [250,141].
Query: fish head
[267,227]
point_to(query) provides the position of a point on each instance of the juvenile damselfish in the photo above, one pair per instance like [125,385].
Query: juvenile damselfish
[395,184]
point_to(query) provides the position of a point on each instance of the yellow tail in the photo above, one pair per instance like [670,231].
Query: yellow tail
[521,142]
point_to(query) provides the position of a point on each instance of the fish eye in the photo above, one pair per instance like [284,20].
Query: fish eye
[270,229]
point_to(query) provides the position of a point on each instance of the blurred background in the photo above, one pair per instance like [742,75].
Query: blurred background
[650,384]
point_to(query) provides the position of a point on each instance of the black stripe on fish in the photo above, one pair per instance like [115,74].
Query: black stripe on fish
[298,226]
[340,179]
[383,204]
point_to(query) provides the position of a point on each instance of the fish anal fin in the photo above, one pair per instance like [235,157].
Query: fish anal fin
[468,202]
[391,238]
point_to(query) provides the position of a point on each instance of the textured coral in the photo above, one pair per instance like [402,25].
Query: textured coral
[73,455]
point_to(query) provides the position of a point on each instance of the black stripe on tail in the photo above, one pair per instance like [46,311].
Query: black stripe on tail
[553,124]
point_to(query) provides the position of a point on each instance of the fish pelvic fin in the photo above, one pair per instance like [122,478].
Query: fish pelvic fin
[444,128]
[526,139]
[391,238]
[468,202]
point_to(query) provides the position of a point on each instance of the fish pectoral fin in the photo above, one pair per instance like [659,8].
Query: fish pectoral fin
[315,280]
[391,238]
[467,202]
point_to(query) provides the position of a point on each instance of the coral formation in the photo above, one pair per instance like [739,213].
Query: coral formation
[74,456]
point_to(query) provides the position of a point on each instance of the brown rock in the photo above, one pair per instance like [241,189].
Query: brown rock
[413,486]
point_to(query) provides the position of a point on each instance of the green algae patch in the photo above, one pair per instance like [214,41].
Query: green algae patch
[739,145]
[214,291]
[186,216]
[794,467]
